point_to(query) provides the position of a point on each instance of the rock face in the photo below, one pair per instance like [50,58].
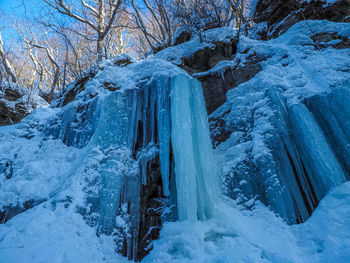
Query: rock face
[274,11]
[181,37]
[281,15]
[218,71]
[8,212]
[271,142]
[16,103]
[215,84]
[207,58]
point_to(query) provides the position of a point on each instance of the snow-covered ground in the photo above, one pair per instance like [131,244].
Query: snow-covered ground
[53,233]
[45,169]
[259,236]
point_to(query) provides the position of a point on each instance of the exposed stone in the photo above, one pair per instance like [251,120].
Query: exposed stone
[10,115]
[6,168]
[150,209]
[123,62]
[282,14]
[12,95]
[8,212]
[317,10]
[218,128]
[182,37]
[274,11]
[324,40]
[205,59]
[79,86]
[216,84]
[16,102]
[110,86]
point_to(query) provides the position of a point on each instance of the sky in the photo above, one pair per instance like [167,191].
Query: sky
[5,5]
[9,8]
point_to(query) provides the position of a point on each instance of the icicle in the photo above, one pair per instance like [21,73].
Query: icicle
[288,161]
[195,168]
[332,112]
[112,136]
[163,117]
[153,116]
[319,160]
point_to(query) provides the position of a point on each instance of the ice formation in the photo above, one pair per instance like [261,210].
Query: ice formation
[287,129]
[147,149]
[195,168]
[127,162]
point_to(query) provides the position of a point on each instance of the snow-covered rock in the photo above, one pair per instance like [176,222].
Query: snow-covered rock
[16,102]
[289,154]
[123,161]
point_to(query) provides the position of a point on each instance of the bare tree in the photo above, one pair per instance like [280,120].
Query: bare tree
[238,8]
[7,65]
[98,15]
[152,18]
[200,15]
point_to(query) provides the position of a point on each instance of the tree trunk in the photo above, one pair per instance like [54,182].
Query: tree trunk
[7,65]
[100,54]
[100,18]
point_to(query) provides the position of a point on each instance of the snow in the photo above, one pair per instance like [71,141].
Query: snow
[175,53]
[53,233]
[258,236]
[62,174]
[256,112]
[30,99]
[40,166]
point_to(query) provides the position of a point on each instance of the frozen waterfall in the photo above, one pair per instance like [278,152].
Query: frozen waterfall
[289,155]
[195,168]
[155,155]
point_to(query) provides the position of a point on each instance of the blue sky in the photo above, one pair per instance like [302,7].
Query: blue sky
[10,7]
[16,6]
[5,5]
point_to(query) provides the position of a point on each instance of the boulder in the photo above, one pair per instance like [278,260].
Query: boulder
[182,36]
[205,59]
[17,102]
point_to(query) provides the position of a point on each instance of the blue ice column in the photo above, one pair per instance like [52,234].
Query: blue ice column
[112,136]
[320,162]
[195,166]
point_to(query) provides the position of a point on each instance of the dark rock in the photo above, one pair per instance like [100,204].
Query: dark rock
[205,59]
[110,86]
[258,31]
[182,37]
[47,96]
[79,86]
[216,84]
[323,40]
[218,128]
[123,62]
[281,15]
[16,102]
[150,209]
[12,95]
[10,115]
[317,10]
[6,168]
[10,211]
[273,11]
